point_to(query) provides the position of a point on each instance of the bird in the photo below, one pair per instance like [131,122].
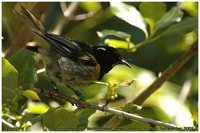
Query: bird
[69,62]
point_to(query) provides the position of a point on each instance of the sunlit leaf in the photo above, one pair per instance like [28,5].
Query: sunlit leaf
[24,62]
[152,12]
[91,6]
[172,16]
[31,94]
[129,14]
[59,119]
[119,34]
[127,83]
[151,24]
[165,100]
[38,108]
[119,44]
[9,80]
[190,7]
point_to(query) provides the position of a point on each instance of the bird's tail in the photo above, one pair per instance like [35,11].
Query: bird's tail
[29,20]
[32,23]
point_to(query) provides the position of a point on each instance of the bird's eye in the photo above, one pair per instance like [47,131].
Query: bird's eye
[103,49]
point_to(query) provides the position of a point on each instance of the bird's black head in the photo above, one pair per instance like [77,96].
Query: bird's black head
[107,57]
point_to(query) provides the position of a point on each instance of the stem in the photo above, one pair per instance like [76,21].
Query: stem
[168,73]
[84,16]
[7,124]
[85,104]
[140,118]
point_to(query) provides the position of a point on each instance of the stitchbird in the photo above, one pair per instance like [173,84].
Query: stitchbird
[72,63]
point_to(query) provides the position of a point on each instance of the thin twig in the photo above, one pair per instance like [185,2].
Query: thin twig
[7,124]
[85,104]
[140,118]
[84,16]
[63,7]
[68,15]
[168,73]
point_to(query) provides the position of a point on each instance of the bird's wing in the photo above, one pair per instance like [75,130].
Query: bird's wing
[75,50]
[64,46]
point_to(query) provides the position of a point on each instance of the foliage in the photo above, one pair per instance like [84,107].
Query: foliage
[149,35]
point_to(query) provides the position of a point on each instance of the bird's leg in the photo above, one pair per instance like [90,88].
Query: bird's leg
[77,93]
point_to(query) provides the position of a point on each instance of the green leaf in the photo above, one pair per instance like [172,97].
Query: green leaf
[38,108]
[190,7]
[185,26]
[172,16]
[59,119]
[91,6]
[176,30]
[9,81]
[119,34]
[152,12]
[129,14]
[83,116]
[31,95]
[119,44]
[134,125]
[24,62]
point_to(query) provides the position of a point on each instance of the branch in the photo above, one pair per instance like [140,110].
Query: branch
[68,15]
[7,124]
[84,16]
[84,104]
[168,73]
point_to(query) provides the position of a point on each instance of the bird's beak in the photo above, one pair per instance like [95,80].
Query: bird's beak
[123,62]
